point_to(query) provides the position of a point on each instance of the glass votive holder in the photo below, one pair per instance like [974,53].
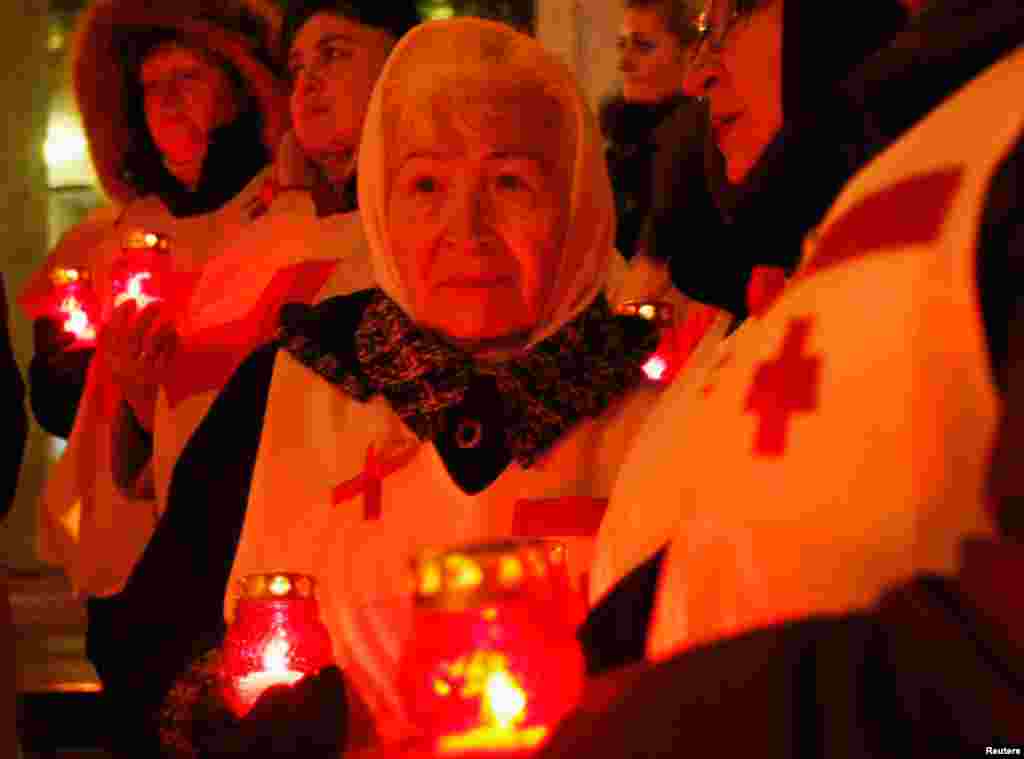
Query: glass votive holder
[277,638]
[141,272]
[493,663]
[74,304]
[662,365]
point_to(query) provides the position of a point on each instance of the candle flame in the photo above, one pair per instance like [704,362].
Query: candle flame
[504,700]
[503,703]
[655,368]
[77,322]
[275,655]
[133,291]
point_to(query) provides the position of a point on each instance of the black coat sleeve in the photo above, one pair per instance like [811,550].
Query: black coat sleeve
[13,389]
[171,608]
[934,668]
[56,380]
[1000,272]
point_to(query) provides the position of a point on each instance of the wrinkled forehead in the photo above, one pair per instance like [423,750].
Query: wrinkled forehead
[494,108]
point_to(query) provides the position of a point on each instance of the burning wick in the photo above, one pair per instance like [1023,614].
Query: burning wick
[77,322]
[133,291]
[502,708]
[655,368]
[275,671]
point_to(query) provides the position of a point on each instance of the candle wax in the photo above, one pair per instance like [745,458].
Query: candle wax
[250,687]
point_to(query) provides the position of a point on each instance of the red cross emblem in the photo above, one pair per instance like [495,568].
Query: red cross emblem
[370,482]
[782,387]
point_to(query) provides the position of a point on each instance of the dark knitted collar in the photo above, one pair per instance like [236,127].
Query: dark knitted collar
[576,373]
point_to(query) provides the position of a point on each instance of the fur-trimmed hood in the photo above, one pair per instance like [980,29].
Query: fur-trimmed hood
[243,32]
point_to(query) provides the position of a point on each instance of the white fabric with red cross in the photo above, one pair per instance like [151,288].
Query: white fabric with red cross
[843,441]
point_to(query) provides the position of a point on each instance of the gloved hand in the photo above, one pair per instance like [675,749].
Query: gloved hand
[138,346]
[53,345]
[56,376]
[308,719]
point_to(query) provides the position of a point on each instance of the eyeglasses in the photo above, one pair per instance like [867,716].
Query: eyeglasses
[716,22]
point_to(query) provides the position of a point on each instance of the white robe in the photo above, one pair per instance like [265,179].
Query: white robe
[841,444]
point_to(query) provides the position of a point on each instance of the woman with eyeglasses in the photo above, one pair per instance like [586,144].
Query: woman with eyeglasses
[766,187]
[843,564]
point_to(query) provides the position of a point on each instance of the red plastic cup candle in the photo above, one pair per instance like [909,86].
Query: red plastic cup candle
[74,304]
[662,365]
[277,638]
[493,663]
[140,272]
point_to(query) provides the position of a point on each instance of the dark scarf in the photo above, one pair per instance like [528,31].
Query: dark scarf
[236,154]
[576,373]
[945,46]
[628,124]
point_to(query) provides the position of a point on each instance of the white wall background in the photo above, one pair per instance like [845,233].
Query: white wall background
[583,32]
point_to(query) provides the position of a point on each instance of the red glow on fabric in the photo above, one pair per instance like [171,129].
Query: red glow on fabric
[370,482]
[272,642]
[722,363]
[910,212]
[206,360]
[764,288]
[567,516]
[782,387]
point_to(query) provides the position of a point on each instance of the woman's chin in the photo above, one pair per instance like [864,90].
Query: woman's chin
[478,333]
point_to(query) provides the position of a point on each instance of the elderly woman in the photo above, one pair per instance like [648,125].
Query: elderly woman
[484,389]
[182,110]
[800,501]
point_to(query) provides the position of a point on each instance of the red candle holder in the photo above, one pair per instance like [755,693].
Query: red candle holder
[74,304]
[493,663]
[277,638]
[142,270]
[661,366]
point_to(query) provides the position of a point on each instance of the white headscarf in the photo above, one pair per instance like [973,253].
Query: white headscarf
[424,61]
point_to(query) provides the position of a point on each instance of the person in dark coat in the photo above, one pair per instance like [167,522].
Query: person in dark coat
[646,123]
[13,389]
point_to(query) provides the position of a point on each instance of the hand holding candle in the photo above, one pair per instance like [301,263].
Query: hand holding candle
[140,273]
[138,347]
[277,638]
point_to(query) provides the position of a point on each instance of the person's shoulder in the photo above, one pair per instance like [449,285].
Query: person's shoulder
[322,338]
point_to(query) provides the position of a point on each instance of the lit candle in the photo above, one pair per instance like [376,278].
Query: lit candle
[275,671]
[277,638]
[75,304]
[662,365]
[139,273]
[493,663]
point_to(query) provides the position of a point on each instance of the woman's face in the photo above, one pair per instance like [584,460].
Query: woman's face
[475,212]
[651,58]
[334,63]
[185,97]
[742,82]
